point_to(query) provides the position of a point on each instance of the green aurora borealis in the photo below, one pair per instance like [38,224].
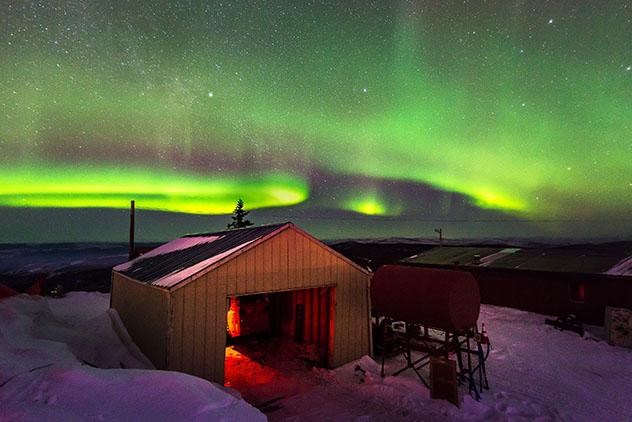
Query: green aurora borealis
[521,108]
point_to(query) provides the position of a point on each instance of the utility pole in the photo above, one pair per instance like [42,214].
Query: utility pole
[131,232]
[440,232]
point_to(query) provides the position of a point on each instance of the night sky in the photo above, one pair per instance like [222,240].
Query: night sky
[352,118]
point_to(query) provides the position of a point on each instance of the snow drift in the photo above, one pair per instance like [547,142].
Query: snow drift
[58,365]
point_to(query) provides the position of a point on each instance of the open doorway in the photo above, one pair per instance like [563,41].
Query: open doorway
[273,338]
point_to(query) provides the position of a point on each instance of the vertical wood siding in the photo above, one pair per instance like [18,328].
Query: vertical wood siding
[144,311]
[288,261]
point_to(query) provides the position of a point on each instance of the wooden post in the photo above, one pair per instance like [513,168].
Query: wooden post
[440,232]
[131,232]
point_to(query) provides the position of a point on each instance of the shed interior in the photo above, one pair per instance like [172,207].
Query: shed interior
[278,332]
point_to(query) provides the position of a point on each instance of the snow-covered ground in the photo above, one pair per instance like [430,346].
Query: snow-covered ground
[71,359]
[535,373]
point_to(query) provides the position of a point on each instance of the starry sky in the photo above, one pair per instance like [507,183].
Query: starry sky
[356,118]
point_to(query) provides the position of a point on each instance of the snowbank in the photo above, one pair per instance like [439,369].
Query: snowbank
[52,360]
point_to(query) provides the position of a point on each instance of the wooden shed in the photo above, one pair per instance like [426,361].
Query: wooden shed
[176,300]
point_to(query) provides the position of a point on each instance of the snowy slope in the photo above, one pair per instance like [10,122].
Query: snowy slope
[52,360]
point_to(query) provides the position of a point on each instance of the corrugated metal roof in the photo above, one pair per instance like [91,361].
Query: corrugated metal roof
[589,259]
[623,267]
[449,255]
[172,262]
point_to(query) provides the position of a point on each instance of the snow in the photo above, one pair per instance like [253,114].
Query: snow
[623,267]
[177,276]
[71,359]
[172,246]
[535,373]
[489,259]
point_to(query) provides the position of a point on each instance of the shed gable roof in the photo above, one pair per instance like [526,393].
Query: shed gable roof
[171,263]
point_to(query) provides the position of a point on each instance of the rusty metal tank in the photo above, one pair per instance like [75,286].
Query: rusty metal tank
[445,299]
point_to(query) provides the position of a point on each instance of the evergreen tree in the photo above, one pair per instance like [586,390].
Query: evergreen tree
[239,216]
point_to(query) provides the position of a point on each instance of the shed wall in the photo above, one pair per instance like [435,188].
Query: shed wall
[290,260]
[144,311]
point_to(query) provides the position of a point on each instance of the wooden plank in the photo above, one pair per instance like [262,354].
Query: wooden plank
[322,260]
[188,328]
[307,262]
[144,310]
[267,265]
[220,332]
[283,270]
[327,264]
[292,259]
[339,317]
[275,264]
[357,313]
[313,262]
[259,268]
[209,349]
[323,320]
[240,264]
[315,315]
[308,315]
[353,303]
[175,353]
[292,307]
[331,336]
[299,274]
[229,272]
[345,311]
[363,314]
[368,343]
[199,325]
[250,270]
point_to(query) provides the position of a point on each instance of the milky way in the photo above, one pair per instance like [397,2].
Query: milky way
[365,108]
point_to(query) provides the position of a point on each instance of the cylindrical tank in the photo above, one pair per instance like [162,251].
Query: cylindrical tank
[445,299]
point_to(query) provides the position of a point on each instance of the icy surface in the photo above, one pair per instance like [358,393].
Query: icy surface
[623,267]
[172,246]
[53,360]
